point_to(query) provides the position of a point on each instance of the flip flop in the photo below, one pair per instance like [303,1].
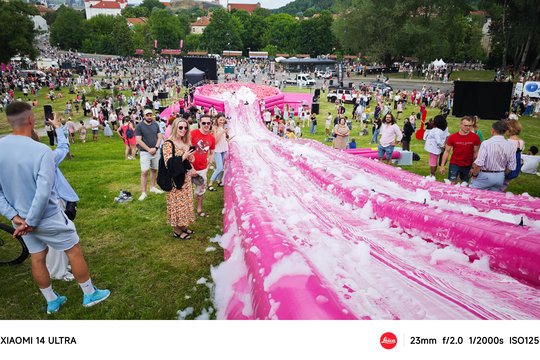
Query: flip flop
[211,188]
[182,236]
[221,184]
[189,232]
[203,214]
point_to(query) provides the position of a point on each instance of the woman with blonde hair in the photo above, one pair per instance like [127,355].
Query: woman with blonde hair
[514,129]
[476,130]
[222,147]
[178,157]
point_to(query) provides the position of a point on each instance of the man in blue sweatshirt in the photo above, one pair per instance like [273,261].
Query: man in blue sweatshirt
[28,199]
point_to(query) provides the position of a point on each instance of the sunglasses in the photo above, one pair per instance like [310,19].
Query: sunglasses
[182,127]
[205,123]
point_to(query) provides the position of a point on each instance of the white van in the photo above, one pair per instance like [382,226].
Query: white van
[44,63]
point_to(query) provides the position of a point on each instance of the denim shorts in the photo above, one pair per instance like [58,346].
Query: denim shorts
[385,150]
[462,171]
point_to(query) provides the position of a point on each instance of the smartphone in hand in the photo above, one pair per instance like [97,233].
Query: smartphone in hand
[48,110]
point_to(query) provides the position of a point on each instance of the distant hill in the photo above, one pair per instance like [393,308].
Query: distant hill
[189,4]
[299,6]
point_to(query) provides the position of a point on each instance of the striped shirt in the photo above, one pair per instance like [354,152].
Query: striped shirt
[496,154]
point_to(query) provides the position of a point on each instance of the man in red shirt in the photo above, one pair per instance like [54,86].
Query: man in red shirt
[205,144]
[464,146]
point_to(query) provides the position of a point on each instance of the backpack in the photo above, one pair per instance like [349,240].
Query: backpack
[164,180]
[129,133]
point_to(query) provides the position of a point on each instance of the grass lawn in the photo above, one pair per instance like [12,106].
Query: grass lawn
[129,247]
[466,75]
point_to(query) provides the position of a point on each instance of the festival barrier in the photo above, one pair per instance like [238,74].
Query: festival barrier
[525,208]
[514,250]
[292,204]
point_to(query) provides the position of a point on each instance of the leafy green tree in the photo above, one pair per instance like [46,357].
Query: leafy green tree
[67,31]
[166,28]
[17,34]
[141,38]
[222,33]
[135,12]
[192,42]
[300,6]
[310,12]
[252,30]
[152,4]
[315,35]
[282,32]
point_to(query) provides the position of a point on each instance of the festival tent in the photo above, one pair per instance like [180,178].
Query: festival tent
[438,63]
[194,75]
[280,58]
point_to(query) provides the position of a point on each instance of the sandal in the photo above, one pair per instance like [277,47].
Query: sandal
[221,184]
[211,188]
[189,232]
[203,214]
[182,236]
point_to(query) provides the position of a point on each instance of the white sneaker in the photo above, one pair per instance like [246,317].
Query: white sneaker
[155,190]
[142,197]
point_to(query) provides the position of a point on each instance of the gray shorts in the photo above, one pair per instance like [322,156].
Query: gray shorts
[56,231]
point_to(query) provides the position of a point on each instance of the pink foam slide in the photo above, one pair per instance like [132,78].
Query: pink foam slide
[316,233]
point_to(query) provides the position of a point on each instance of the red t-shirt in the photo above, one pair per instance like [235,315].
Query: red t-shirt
[204,144]
[463,152]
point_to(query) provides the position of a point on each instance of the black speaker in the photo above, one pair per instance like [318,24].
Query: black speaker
[350,85]
[487,100]
[331,82]
[315,109]
[163,95]
[317,92]
[341,84]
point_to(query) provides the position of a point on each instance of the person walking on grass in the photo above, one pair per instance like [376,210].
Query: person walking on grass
[178,158]
[35,212]
[205,144]
[148,139]
[222,147]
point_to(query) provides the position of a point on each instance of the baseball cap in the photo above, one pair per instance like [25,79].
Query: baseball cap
[147,111]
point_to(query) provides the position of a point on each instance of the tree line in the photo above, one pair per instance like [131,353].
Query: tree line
[379,31]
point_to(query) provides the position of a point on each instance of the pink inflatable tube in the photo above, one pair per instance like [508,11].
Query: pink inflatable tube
[291,296]
[484,201]
[512,250]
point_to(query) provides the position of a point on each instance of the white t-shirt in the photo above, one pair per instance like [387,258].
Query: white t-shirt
[530,164]
[94,124]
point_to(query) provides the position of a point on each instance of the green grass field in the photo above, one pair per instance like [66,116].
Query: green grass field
[129,246]
[466,75]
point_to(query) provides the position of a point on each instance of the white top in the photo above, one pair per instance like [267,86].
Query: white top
[530,164]
[222,145]
[435,141]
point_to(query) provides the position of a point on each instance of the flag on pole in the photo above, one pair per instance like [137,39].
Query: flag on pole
[181,43]
[155,44]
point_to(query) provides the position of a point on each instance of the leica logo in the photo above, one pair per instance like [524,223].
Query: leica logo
[388,340]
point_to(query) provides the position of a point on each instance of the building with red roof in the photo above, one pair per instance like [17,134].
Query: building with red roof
[246,7]
[103,7]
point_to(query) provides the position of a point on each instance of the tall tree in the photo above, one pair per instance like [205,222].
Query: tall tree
[282,32]
[315,35]
[135,11]
[67,31]
[166,28]
[17,34]
[222,33]
[252,30]
[152,4]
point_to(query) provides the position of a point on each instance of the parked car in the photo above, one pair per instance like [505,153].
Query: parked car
[341,93]
[378,85]
[301,80]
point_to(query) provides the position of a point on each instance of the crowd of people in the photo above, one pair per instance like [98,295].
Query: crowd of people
[126,100]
